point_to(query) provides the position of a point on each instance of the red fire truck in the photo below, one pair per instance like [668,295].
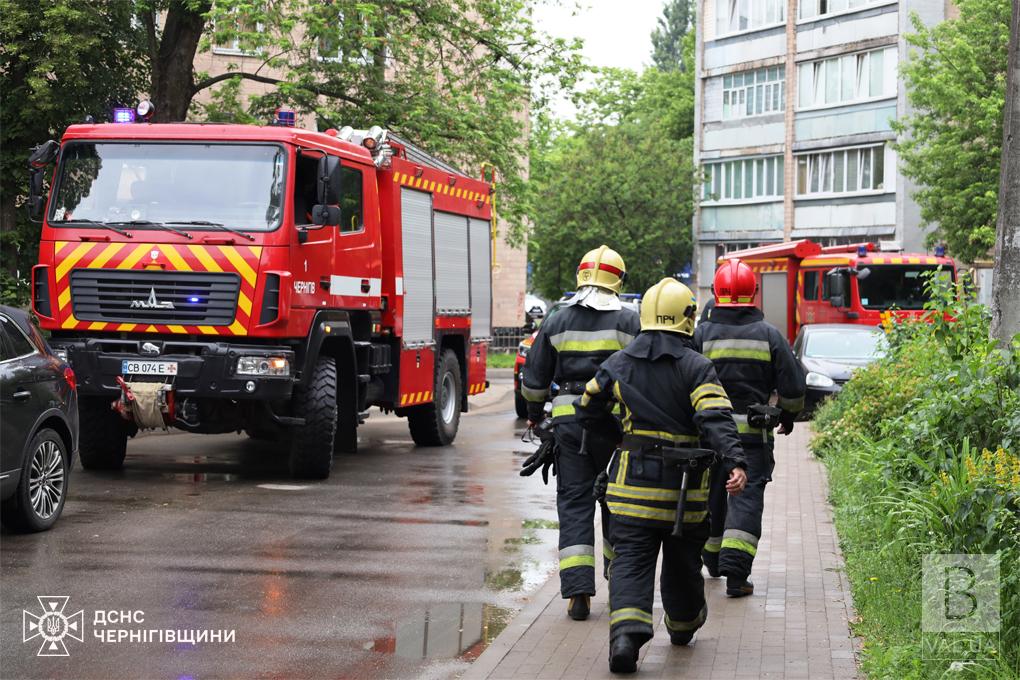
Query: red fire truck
[800,282]
[269,279]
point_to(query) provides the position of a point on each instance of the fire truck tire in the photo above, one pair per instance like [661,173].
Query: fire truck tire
[520,405]
[102,435]
[311,452]
[436,424]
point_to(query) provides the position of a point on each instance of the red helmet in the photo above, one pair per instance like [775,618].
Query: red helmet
[734,285]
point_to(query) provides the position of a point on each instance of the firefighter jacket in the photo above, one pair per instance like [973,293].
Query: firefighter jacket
[569,348]
[669,397]
[752,359]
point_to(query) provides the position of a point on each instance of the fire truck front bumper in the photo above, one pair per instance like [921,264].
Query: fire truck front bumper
[217,370]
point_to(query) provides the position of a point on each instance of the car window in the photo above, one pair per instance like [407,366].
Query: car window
[5,347]
[845,344]
[20,344]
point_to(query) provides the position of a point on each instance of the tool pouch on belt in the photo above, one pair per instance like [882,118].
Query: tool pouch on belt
[763,416]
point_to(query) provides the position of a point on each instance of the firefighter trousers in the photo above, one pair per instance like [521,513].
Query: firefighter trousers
[736,520]
[575,505]
[632,579]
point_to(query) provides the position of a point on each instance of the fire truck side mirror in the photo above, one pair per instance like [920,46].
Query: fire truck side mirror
[328,185]
[328,215]
[837,288]
[42,155]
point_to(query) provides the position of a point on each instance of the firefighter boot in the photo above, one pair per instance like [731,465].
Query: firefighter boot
[682,638]
[623,654]
[579,607]
[737,586]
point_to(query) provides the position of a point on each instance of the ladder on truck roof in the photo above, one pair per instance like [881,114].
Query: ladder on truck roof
[416,154]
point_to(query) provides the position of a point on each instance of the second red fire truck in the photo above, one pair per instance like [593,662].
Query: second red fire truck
[266,279]
[801,282]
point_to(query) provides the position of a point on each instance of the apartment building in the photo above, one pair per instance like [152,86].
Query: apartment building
[795,100]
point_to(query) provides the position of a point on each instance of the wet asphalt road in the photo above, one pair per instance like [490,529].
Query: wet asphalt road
[405,563]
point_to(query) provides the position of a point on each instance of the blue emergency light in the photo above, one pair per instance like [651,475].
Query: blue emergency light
[123,115]
[194,298]
[285,117]
[862,251]
[940,251]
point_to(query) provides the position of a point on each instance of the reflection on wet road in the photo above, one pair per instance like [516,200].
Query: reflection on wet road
[405,563]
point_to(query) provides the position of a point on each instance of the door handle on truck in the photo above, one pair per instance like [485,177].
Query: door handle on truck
[22,395]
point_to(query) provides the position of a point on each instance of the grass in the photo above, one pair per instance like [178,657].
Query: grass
[500,360]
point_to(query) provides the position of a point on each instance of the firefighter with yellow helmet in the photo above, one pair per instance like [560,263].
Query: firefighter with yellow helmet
[658,480]
[569,348]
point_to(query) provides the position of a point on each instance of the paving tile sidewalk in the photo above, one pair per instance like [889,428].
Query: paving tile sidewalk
[795,625]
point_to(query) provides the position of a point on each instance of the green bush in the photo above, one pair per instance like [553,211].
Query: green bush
[922,450]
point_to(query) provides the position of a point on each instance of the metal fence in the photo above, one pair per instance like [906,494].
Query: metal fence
[506,339]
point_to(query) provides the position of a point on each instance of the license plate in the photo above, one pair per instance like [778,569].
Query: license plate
[129,367]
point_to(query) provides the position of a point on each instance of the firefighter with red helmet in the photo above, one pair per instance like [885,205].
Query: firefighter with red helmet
[753,360]
[658,481]
[568,349]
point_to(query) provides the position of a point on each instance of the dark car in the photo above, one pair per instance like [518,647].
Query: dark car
[830,352]
[39,436]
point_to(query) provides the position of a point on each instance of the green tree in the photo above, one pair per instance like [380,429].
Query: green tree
[668,36]
[454,77]
[60,60]
[622,175]
[951,143]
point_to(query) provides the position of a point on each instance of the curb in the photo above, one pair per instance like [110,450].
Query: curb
[511,635]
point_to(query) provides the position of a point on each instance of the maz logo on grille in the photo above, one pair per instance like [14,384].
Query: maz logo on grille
[152,302]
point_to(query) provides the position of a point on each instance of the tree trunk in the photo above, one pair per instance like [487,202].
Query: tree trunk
[1006,277]
[173,72]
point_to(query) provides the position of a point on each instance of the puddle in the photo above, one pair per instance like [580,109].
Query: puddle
[445,631]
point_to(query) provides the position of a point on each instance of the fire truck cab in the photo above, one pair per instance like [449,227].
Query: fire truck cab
[801,282]
[266,279]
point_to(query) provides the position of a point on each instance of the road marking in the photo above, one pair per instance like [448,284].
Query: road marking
[283,487]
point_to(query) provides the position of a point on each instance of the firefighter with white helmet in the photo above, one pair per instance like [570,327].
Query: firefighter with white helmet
[753,360]
[567,351]
[658,480]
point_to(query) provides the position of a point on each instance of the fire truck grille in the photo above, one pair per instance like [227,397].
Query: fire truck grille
[180,298]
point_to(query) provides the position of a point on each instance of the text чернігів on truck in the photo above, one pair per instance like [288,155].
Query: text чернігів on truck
[272,279]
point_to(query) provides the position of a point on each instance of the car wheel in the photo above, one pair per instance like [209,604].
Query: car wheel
[39,498]
[436,424]
[311,453]
[102,433]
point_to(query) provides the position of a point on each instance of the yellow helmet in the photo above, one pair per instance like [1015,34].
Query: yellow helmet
[668,306]
[602,267]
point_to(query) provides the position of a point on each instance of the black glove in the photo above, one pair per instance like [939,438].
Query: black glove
[536,412]
[544,457]
[601,486]
[786,422]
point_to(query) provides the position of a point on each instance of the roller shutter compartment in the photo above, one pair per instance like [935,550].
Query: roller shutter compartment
[419,296]
[453,294]
[481,278]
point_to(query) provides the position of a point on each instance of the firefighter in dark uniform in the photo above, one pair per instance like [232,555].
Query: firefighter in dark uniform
[670,398]
[753,360]
[568,349]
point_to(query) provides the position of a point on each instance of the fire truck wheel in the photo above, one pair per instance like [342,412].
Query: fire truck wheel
[436,424]
[311,453]
[102,434]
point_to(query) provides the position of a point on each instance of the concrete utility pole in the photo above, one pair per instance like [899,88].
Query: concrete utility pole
[1006,281]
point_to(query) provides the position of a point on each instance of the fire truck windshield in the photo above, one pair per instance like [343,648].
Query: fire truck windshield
[239,186]
[883,286]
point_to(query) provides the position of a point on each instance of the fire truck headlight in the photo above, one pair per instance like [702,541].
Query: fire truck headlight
[278,366]
[819,380]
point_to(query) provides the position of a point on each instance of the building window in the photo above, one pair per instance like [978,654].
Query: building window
[810,9]
[733,16]
[747,179]
[847,78]
[345,41]
[754,93]
[229,35]
[845,171]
